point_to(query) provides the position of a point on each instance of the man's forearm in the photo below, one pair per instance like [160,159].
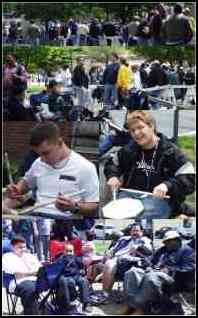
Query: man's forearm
[23,275]
[87,209]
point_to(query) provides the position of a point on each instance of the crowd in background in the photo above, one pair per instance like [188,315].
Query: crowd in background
[161,25]
[114,85]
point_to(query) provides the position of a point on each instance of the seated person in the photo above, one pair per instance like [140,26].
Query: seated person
[71,276]
[114,139]
[62,232]
[55,99]
[135,245]
[24,266]
[172,265]
[153,164]
[15,107]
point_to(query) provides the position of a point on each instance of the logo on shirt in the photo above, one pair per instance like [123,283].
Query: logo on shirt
[145,167]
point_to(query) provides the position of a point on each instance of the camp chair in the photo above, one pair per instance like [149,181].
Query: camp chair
[46,288]
[10,296]
[56,248]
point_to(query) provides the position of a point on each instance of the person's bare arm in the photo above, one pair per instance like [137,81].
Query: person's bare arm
[19,275]
[85,208]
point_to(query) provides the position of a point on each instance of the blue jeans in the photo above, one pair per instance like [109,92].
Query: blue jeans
[42,246]
[154,208]
[26,290]
[67,287]
[143,288]
[110,94]
[6,246]
[81,95]
[155,104]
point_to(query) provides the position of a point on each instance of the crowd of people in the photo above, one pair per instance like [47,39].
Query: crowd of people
[150,276]
[112,86]
[161,25]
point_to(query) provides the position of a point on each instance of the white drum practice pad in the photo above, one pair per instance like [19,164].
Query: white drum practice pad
[123,209]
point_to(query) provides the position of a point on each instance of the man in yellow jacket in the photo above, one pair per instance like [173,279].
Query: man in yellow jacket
[124,79]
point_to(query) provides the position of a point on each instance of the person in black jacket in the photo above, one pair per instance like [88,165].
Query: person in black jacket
[156,77]
[80,81]
[72,276]
[172,270]
[153,164]
[109,80]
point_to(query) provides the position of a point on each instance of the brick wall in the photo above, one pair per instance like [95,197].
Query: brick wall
[16,139]
[16,134]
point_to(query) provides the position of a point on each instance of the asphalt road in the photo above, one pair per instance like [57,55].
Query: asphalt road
[165,121]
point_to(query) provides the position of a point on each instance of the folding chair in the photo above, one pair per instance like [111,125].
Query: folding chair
[10,296]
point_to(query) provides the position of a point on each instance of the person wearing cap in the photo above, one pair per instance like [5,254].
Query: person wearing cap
[151,163]
[173,267]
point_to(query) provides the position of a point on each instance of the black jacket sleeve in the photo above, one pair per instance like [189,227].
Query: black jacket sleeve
[181,182]
[114,165]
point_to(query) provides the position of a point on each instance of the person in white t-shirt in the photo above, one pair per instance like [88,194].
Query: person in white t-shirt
[137,77]
[24,266]
[58,173]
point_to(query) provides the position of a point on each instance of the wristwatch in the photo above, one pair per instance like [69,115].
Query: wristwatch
[76,208]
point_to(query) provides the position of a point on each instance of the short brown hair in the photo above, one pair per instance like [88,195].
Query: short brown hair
[142,115]
[47,131]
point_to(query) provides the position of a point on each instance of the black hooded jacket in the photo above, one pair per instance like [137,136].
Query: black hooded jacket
[171,167]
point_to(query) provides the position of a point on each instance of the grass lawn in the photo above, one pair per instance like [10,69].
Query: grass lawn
[35,88]
[101,246]
[188,145]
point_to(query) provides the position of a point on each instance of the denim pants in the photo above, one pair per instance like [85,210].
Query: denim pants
[67,289]
[154,208]
[155,104]
[110,94]
[42,247]
[81,95]
[141,288]
[26,290]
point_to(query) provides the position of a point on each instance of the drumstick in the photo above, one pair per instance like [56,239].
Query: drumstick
[11,181]
[142,192]
[114,195]
[36,206]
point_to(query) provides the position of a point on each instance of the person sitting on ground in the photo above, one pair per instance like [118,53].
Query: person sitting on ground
[24,266]
[71,277]
[153,164]
[173,267]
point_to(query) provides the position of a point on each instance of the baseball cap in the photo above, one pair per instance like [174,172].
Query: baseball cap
[169,235]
